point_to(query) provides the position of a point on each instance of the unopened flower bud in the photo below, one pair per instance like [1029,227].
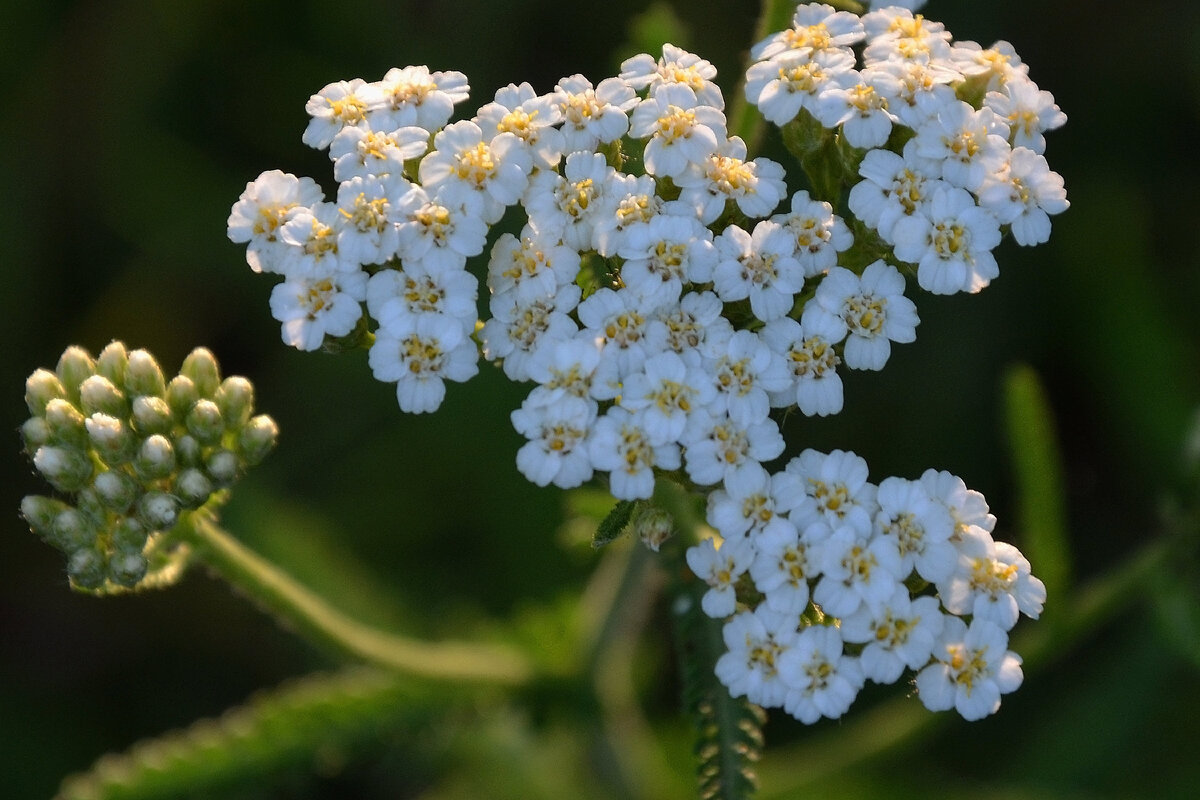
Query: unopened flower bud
[127,568]
[85,568]
[235,398]
[205,423]
[98,393]
[193,488]
[40,512]
[158,511]
[152,415]
[112,363]
[222,467]
[90,503]
[155,458]
[72,530]
[66,424]
[40,388]
[257,439]
[188,452]
[111,438]
[653,526]
[201,367]
[143,376]
[116,490]
[67,469]
[129,535]
[74,367]
[36,433]
[181,396]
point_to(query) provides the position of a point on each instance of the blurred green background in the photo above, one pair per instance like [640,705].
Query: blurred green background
[132,126]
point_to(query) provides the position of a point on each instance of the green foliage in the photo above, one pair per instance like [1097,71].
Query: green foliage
[729,738]
[283,729]
[615,524]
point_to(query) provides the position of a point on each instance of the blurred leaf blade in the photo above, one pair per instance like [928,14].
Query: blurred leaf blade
[1038,471]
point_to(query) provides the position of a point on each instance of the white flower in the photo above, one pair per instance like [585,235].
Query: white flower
[782,568]
[820,234]
[557,448]
[593,116]
[518,328]
[717,446]
[861,109]
[720,568]
[834,491]
[874,309]
[567,206]
[681,130]
[369,236]
[972,668]
[821,680]
[1024,194]
[531,266]
[808,351]
[920,526]
[311,307]
[629,447]
[625,202]
[951,243]
[969,144]
[894,187]
[629,331]
[795,80]
[755,642]
[994,67]
[313,235]
[756,186]
[760,266]
[339,105]
[744,374]
[815,26]
[967,507]
[667,391]
[467,169]
[752,502]
[420,352]
[563,367]
[897,34]
[856,570]
[268,202]
[416,96]
[676,67]
[359,152]
[519,110]
[436,231]
[450,292]
[992,582]
[922,89]
[664,254]
[899,633]
[1029,112]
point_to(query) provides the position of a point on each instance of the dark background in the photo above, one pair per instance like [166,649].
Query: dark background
[129,128]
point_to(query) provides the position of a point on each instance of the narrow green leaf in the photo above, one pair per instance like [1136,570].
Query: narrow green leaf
[615,523]
[729,739]
[1037,464]
[284,729]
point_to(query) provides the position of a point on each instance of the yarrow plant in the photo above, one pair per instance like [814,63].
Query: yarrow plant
[668,297]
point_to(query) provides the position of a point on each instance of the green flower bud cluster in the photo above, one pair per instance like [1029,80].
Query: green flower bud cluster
[128,452]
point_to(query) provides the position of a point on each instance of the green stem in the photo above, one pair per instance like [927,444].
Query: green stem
[314,619]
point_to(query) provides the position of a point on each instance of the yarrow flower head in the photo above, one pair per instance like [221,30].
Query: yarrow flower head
[671,299]
[129,453]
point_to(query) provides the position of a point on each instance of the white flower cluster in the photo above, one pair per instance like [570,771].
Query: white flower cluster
[832,558]
[662,306]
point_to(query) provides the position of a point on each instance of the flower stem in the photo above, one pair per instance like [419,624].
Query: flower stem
[314,619]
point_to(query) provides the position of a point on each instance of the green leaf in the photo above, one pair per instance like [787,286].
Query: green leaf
[1037,463]
[728,730]
[615,524]
[284,729]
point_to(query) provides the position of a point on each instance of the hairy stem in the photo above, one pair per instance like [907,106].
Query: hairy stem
[313,618]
